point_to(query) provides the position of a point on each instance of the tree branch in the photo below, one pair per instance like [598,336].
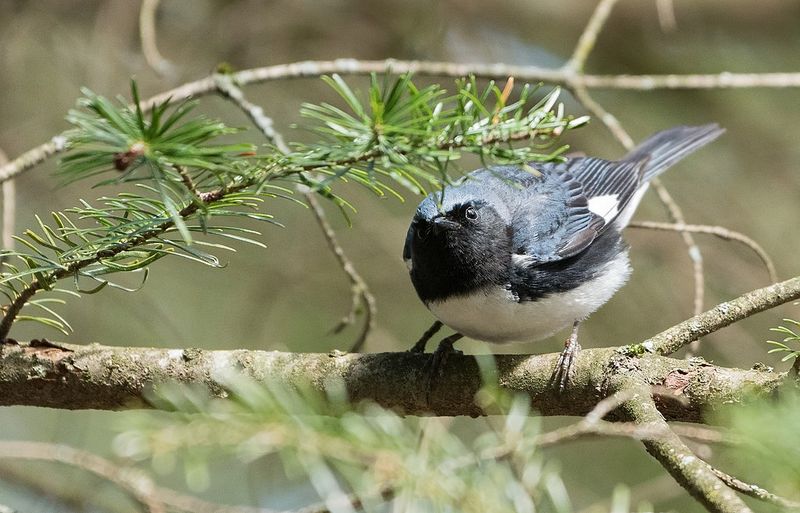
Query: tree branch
[92,376]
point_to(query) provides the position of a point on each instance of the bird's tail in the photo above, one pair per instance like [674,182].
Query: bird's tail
[666,148]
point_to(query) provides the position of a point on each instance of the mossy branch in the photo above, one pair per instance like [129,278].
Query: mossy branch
[70,376]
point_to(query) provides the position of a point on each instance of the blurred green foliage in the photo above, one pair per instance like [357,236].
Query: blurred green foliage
[766,451]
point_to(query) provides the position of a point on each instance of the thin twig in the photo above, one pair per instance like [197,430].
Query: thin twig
[705,434]
[361,294]
[9,191]
[309,69]
[355,502]
[592,424]
[33,157]
[360,291]
[752,490]
[605,429]
[43,486]
[186,178]
[719,231]
[666,15]
[147,36]
[589,35]
[607,405]
[130,480]
[226,86]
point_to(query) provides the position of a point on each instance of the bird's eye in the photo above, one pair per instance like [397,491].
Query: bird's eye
[470,213]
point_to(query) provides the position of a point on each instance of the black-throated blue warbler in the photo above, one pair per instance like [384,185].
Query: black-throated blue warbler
[518,253]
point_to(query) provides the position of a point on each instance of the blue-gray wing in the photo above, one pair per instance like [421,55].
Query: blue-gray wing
[563,212]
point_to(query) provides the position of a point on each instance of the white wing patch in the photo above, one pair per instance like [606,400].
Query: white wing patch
[606,206]
[522,260]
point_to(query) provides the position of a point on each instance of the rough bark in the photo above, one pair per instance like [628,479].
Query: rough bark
[93,376]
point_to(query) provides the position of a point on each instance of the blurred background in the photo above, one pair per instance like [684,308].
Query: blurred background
[289,296]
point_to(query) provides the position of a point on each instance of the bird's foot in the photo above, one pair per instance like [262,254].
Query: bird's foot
[419,347]
[566,361]
[436,364]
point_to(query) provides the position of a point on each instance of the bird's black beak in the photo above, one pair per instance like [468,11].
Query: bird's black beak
[441,224]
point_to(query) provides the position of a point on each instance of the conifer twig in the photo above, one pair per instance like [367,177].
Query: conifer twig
[308,69]
[13,309]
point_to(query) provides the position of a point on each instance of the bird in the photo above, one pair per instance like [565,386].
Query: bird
[514,253]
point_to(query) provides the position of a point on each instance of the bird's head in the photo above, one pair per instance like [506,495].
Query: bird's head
[460,238]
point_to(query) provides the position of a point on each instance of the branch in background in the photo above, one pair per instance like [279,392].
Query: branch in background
[589,35]
[666,15]
[147,36]
[720,232]
[309,69]
[130,479]
[361,294]
[9,210]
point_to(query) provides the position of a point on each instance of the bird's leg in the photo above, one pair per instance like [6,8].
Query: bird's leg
[566,360]
[419,347]
[438,359]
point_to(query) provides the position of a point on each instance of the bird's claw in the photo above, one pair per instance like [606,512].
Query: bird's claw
[566,362]
[435,366]
[419,347]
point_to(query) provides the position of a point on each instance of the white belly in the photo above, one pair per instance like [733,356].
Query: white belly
[494,315]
